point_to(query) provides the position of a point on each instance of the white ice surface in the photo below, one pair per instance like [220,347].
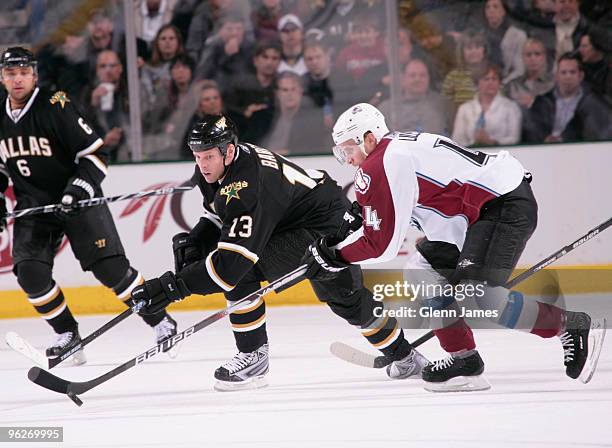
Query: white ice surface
[314,399]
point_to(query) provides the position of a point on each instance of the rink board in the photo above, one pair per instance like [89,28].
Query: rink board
[570,183]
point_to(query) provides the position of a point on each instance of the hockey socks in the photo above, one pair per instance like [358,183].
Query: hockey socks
[52,307]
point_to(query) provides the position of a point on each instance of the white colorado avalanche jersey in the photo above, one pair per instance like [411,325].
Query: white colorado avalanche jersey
[428,181]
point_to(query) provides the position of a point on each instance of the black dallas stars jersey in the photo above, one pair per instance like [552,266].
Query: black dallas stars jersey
[262,194]
[45,145]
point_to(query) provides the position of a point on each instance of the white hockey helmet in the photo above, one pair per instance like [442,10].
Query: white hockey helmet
[354,123]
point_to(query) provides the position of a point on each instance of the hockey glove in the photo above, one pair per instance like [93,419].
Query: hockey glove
[76,190]
[351,221]
[158,293]
[185,251]
[322,261]
[2,212]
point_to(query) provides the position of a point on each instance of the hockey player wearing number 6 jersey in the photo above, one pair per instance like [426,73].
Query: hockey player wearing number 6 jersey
[477,212]
[261,213]
[52,155]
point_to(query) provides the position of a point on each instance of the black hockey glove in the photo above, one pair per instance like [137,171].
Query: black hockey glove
[76,190]
[158,293]
[351,221]
[185,251]
[322,261]
[2,212]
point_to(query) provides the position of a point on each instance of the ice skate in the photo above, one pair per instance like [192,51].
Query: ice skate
[582,342]
[456,374]
[408,367]
[244,371]
[164,330]
[63,343]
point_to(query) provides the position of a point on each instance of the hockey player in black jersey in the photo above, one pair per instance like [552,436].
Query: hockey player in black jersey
[261,213]
[52,155]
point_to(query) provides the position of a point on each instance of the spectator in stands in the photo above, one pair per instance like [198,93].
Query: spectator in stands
[297,126]
[505,41]
[435,48]
[336,21]
[569,27]
[255,92]
[594,62]
[265,19]
[155,74]
[568,112]
[206,22]
[150,16]
[420,109]
[360,66]
[228,54]
[210,103]
[14,19]
[537,79]
[459,85]
[405,50]
[166,123]
[490,118]
[107,101]
[317,80]
[292,40]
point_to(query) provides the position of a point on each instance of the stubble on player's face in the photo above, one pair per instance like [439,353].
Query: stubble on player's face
[19,82]
[211,164]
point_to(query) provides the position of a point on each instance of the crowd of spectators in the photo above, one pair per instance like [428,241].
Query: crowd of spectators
[486,72]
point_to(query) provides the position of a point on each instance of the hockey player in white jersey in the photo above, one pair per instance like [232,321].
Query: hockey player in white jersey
[477,212]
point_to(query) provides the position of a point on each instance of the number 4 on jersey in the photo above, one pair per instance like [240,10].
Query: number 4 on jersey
[371,218]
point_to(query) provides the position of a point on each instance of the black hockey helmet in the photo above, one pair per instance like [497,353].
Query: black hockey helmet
[18,57]
[214,131]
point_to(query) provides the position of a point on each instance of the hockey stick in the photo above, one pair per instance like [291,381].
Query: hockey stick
[358,357]
[96,201]
[20,345]
[73,389]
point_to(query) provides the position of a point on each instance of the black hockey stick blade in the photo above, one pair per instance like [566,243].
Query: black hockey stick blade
[73,388]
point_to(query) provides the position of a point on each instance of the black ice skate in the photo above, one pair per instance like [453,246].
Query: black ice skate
[164,331]
[582,342]
[456,374]
[63,343]
[244,371]
[408,367]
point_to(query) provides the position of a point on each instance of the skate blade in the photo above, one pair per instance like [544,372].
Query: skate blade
[596,338]
[256,382]
[460,384]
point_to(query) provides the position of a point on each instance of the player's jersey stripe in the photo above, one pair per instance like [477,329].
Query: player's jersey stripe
[453,199]
[45,298]
[389,339]
[372,331]
[50,315]
[250,308]
[125,294]
[239,250]
[213,274]
[97,163]
[25,109]
[250,326]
